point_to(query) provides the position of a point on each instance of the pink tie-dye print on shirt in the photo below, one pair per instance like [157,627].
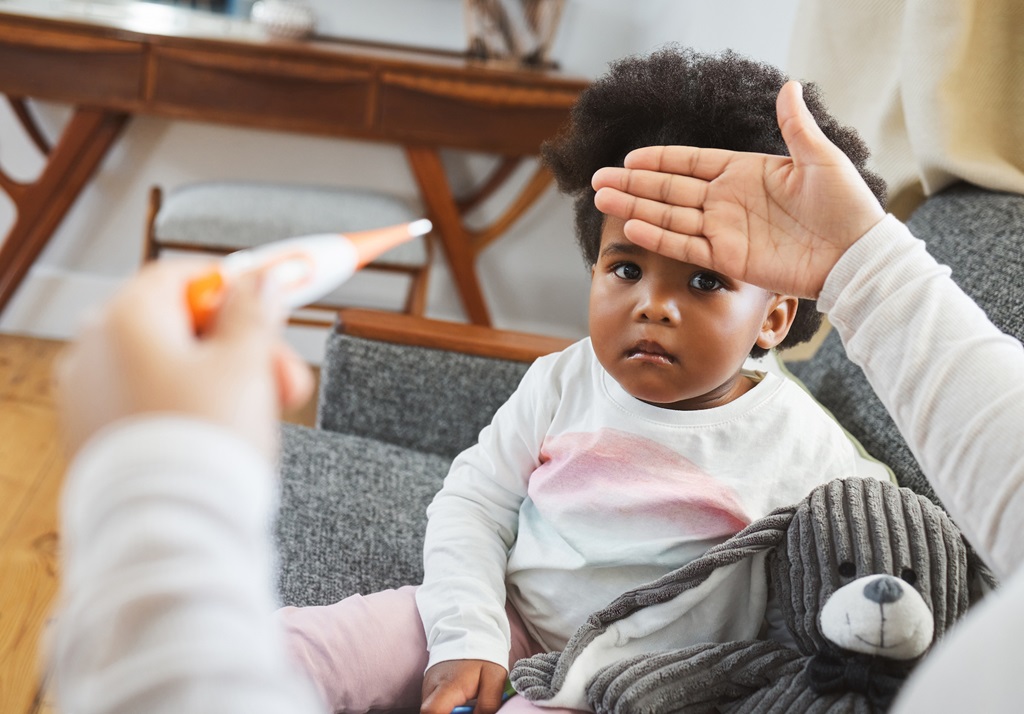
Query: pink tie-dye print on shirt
[611,481]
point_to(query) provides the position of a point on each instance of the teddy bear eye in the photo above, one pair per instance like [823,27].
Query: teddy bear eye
[847,569]
[909,576]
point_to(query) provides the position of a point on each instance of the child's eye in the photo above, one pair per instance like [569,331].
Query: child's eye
[627,271]
[706,282]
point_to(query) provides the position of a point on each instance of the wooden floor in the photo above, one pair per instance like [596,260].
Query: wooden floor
[31,471]
[31,467]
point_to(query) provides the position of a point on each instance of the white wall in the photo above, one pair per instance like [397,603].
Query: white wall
[533,277]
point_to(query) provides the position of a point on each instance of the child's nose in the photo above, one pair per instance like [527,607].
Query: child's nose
[659,304]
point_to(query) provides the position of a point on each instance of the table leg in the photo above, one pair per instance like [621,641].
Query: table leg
[456,240]
[42,204]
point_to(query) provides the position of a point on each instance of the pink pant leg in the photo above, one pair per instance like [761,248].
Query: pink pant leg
[522,644]
[369,652]
[364,652]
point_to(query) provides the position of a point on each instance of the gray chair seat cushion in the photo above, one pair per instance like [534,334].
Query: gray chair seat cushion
[241,214]
[352,516]
[979,234]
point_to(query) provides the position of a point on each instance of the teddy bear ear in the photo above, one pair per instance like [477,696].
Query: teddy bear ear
[980,580]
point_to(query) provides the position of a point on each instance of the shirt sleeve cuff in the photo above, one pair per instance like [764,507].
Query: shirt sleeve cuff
[877,241]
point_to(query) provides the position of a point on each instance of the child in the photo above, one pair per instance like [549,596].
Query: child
[619,459]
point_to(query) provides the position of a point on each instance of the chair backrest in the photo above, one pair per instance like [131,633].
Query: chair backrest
[423,384]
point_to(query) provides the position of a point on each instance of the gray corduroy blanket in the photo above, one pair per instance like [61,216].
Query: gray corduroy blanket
[649,651]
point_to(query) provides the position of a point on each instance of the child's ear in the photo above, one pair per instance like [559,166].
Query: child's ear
[781,313]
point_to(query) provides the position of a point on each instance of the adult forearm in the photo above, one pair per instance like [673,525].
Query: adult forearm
[953,383]
[167,590]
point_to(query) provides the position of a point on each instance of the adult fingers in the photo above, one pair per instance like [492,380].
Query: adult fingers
[666,188]
[249,317]
[154,301]
[293,377]
[677,219]
[704,164]
[686,248]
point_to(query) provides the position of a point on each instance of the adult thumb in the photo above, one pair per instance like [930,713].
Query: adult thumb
[805,140]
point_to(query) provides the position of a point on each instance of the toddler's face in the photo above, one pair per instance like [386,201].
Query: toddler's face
[672,334]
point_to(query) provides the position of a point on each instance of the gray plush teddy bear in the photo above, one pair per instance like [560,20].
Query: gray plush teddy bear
[865,575]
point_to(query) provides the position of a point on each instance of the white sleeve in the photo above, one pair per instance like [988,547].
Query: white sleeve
[167,588]
[976,666]
[472,524]
[953,383]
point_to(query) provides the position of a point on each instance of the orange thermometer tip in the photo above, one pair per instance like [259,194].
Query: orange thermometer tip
[371,244]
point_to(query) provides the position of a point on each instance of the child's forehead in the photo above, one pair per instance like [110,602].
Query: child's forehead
[615,245]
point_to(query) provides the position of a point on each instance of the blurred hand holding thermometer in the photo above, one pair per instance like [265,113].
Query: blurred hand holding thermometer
[301,270]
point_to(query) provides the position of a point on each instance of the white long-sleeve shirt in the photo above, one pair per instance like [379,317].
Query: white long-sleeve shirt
[954,385]
[167,584]
[578,492]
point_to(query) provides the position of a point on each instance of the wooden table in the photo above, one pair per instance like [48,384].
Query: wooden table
[111,62]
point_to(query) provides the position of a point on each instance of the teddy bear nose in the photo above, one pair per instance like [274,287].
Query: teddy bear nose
[883,590]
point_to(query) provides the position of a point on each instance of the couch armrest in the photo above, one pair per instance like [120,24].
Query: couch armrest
[401,329]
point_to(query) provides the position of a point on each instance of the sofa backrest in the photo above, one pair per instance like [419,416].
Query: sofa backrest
[422,384]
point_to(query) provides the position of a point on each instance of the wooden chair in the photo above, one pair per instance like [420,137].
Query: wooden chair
[225,216]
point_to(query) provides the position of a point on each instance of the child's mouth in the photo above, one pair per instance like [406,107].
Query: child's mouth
[649,351]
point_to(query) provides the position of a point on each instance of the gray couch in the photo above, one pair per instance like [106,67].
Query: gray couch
[393,415]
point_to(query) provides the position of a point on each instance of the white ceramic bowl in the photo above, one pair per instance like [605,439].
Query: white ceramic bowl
[284,18]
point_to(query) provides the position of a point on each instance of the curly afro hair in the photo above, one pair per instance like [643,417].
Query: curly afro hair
[680,96]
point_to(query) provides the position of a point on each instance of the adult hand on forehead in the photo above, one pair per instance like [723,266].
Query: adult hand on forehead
[780,222]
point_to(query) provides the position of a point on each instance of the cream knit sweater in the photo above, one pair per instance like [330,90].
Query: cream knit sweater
[933,86]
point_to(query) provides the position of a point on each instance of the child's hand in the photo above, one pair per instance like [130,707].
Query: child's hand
[141,355]
[774,221]
[447,685]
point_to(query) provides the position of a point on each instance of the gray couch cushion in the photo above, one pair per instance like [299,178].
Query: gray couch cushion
[980,235]
[419,398]
[353,514]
